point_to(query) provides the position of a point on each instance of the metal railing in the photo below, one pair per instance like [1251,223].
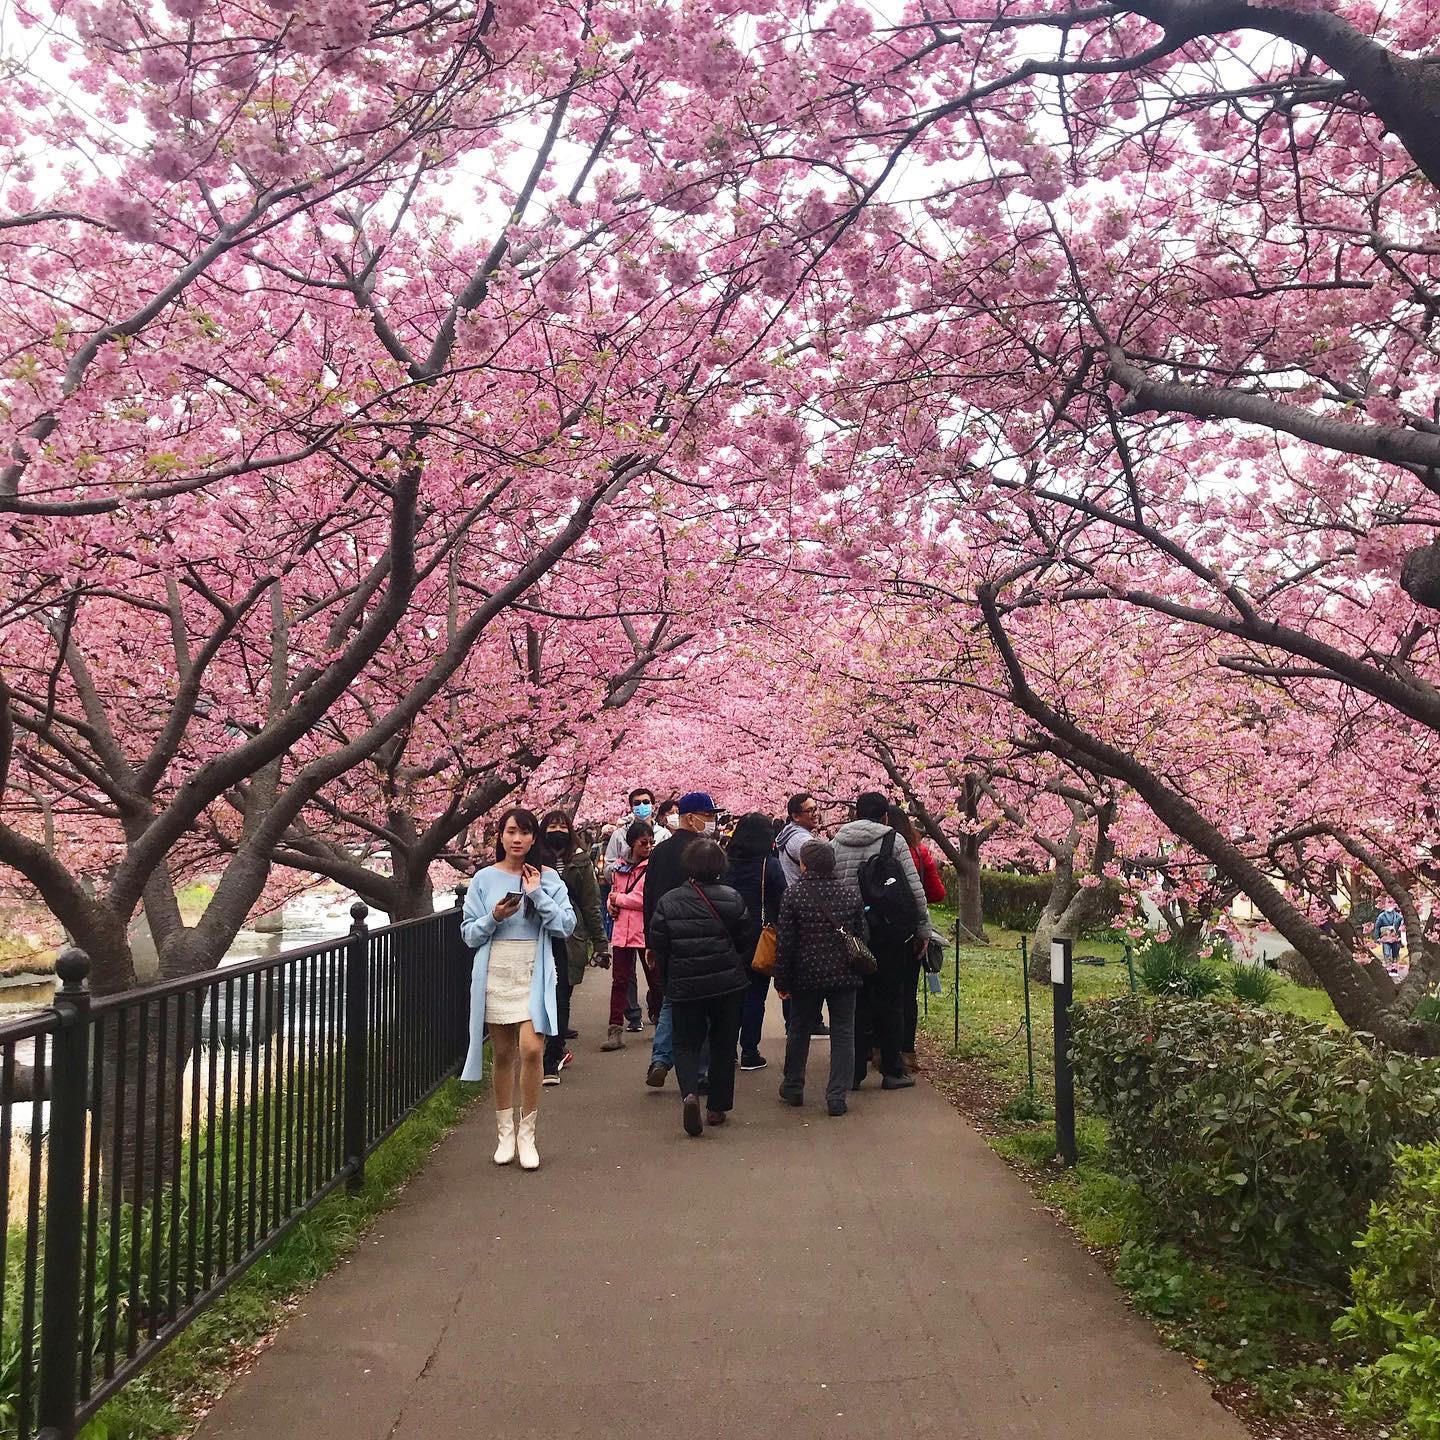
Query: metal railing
[176,1132]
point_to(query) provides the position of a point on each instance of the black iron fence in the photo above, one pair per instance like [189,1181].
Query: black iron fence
[157,1143]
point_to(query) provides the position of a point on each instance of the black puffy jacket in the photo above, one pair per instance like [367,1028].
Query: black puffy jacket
[697,947]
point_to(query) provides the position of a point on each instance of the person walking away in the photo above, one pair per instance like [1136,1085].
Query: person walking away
[587,945]
[512,910]
[754,873]
[698,820]
[1390,932]
[627,905]
[934,888]
[875,859]
[695,934]
[813,966]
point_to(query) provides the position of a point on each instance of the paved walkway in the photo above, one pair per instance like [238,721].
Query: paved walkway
[882,1277]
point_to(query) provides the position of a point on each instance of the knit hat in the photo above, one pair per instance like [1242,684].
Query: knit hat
[818,857]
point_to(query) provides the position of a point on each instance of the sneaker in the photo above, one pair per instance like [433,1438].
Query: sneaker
[633,1027]
[657,1075]
[822,1030]
[572,1034]
[551,1078]
[898,1082]
[753,1060]
[789,1097]
[566,1061]
[836,1107]
[691,1118]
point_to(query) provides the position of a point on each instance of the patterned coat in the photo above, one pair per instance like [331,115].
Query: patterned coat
[811,954]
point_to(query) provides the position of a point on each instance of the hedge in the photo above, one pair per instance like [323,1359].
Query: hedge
[1255,1134]
[1012,901]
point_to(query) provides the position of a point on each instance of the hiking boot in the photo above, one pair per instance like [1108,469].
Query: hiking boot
[898,1082]
[614,1039]
[656,1076]
[753,1060]
[690,1116]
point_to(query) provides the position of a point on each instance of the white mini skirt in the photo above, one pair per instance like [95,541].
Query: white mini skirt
[507,981]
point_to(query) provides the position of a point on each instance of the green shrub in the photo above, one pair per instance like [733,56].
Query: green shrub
[1254,1134]
[1395,1312]
[1012,901]
[1253,984]
[1429,1009]
[1167,967]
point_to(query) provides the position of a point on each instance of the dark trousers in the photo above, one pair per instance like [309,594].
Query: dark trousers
[804,1017]
[718,1021]
[910,1004]
[625,982]
[879,1016]
[555,1044]
[752,1018]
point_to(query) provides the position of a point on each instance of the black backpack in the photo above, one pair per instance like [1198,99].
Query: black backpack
[885,889]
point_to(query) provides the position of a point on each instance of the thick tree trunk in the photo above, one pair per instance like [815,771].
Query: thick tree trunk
[969,898]
[1053,918]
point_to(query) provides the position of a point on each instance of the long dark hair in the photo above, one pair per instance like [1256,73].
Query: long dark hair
[527,822]
[897,819]
[752,839]
[551,817]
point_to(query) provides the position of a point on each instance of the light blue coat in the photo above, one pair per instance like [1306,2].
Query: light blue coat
[478,927]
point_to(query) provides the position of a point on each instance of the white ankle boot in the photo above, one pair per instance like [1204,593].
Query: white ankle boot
[525,1141]
[505,1124]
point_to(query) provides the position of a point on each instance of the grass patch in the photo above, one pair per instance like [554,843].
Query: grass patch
[169,1396]
[1265,1345]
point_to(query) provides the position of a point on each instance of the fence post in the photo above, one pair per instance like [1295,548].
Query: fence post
[1029,1031]
[65,1199]
[957,983]
[1130,965]
[1062,977]
[357,1043]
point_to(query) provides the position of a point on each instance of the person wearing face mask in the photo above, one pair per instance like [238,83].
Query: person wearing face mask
[667,820]
[699,820]
[586,945]
[642,807]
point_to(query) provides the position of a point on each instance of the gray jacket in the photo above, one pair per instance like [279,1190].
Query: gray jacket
[861,839]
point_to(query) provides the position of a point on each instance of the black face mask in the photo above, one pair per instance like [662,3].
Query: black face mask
[558,838]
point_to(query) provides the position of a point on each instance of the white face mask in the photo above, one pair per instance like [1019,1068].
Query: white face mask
[711,826]
[672,821]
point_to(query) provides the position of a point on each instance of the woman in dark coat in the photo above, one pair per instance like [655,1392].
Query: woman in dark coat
[813,968]
[695,935]
[755,875]
[589,944]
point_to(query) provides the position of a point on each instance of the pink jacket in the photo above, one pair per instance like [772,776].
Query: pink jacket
[627,892]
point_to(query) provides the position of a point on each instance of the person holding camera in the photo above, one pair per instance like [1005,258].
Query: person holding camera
[513,909]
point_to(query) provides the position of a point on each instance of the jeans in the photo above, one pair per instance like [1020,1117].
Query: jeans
[753,1016]
[623,981]
[606,918]
[716,1022]
[805,1010]
[879,1015]
[662,1048]
[555,1044]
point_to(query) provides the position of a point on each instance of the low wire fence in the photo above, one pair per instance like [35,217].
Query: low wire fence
[160,1141]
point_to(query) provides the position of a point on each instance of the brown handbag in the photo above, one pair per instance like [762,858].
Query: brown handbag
[767,947]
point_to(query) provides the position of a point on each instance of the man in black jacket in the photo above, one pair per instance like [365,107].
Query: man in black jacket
[698,818]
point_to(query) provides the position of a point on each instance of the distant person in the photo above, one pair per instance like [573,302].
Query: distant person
[587,944]
[875,858]
[813,967]
[512,909]
[1389,930]
[627,905]
[802,823]
[698,821]
[642,806]
[695,934]
[754,873]
[667,820]
[934,888]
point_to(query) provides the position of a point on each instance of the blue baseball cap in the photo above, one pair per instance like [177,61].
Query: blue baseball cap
[697,802]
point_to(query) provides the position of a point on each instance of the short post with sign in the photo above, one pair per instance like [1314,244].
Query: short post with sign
[1062,977]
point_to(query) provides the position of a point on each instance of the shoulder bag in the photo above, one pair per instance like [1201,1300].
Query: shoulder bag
[861,958]
[767,947]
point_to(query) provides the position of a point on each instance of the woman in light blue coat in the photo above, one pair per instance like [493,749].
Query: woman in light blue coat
[512,909]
